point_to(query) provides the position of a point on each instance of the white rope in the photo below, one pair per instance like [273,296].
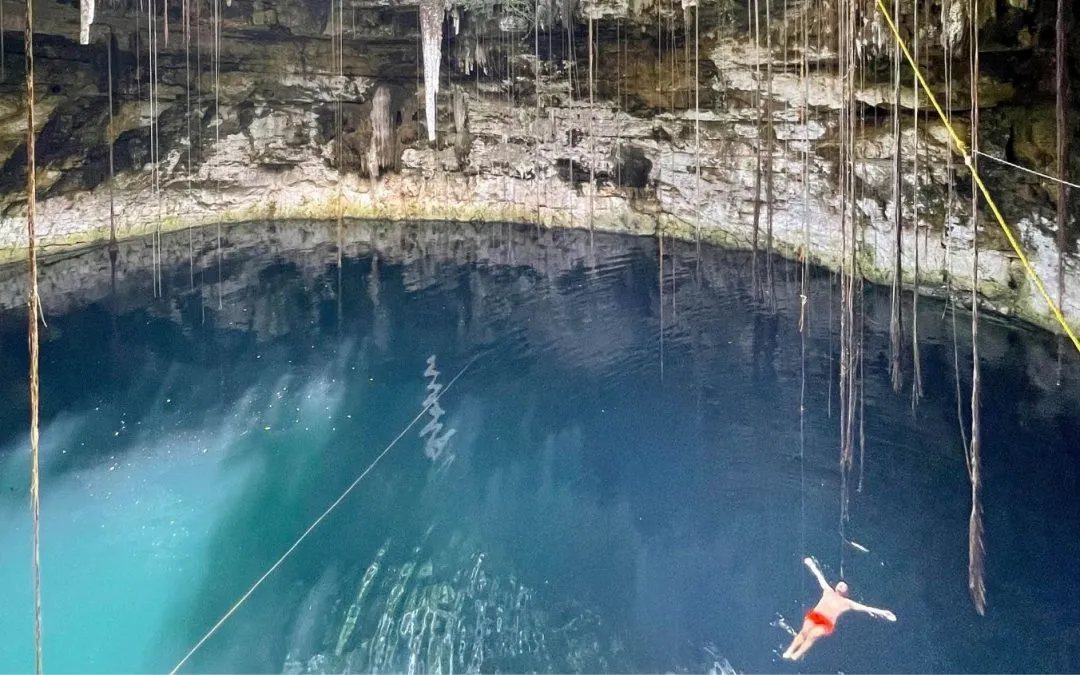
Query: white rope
[1024,168]
[365,472]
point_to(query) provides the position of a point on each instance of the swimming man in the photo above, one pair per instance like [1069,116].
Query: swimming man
[821,620]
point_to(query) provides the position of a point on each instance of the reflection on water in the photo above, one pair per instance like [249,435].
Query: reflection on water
[569,496]
[434,444]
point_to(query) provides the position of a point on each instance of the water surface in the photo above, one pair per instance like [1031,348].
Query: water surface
[616,480]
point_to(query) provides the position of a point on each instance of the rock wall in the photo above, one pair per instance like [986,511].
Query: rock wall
[285,125]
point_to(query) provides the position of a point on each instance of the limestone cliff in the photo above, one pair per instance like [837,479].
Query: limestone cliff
[692,127]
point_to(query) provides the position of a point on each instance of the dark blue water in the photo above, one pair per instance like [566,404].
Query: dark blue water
[615,481]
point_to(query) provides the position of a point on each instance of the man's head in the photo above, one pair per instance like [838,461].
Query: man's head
[841,588]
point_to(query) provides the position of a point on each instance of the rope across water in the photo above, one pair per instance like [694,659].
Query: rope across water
[243,598]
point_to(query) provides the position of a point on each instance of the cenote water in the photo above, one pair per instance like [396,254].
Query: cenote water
[615,480]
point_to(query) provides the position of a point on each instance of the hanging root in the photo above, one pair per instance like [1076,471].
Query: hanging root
[758,135]
[916,358]
[976,570]
[33,312]
[770,140]
[895,320]
[1061,112]
[976,551]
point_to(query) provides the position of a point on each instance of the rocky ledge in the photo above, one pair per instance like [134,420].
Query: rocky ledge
[289,121]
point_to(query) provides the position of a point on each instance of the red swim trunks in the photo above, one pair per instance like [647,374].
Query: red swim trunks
[816,617]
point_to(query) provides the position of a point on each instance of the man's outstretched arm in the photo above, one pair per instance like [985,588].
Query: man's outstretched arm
[873,611]
[817,573]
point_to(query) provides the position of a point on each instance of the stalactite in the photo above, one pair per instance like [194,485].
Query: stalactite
[895,318]
[431,34]
[86,19]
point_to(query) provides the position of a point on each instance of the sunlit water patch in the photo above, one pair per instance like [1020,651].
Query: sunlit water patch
[551,462]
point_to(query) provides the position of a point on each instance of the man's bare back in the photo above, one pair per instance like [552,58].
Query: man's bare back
[821,620]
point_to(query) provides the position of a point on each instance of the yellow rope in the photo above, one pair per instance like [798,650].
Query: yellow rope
[962,149]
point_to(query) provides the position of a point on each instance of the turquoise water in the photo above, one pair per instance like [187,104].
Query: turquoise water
[615,480]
